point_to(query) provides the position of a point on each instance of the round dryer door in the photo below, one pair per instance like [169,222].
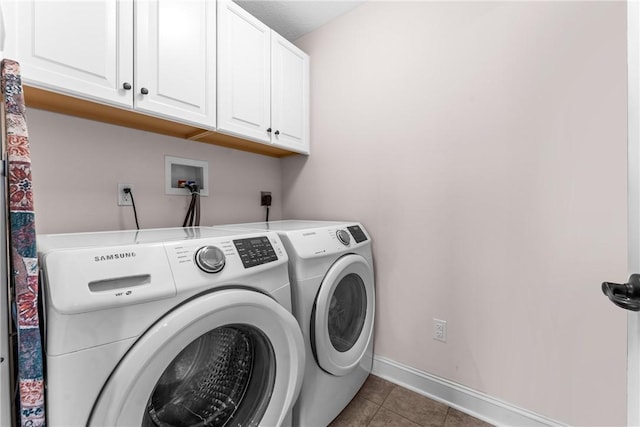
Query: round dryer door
[227,358]
[344,312]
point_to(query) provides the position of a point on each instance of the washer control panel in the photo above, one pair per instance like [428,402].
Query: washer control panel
[255,251]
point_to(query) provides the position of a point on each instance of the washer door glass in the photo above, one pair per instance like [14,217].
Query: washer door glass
[342,324]
[225,377]
[347,312]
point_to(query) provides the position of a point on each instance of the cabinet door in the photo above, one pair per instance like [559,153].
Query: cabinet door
[244,68]
[75,47]
[175,60]
[289,95]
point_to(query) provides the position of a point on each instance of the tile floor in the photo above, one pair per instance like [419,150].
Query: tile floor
[381,403]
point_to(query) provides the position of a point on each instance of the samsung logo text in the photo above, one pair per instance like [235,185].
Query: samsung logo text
[113,257]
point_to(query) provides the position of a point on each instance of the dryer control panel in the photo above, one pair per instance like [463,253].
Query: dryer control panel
[357,233]
[255,251]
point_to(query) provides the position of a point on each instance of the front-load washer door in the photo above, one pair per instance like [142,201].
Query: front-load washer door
[342,324]
[228,358]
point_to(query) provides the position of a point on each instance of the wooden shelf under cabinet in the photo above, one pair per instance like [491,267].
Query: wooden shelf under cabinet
[58,103]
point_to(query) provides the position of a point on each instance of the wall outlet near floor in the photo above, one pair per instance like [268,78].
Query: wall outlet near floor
[440,330]
[124,199]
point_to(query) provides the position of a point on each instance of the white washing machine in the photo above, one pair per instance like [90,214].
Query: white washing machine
[332,283]
[180,327]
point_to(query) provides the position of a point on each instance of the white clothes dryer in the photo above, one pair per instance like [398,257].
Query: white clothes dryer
[332,283]
[181,327]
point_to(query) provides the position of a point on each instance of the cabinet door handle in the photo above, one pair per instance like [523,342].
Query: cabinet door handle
[144,91]
[269,130]
[277,132]
[126,86]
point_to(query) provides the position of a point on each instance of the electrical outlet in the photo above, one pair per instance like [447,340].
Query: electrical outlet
[265,198]
[440,330]
[124,199]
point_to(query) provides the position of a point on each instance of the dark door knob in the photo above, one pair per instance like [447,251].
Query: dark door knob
[269,130]
[144,91]
[126,86]
[625,295]
[277,132]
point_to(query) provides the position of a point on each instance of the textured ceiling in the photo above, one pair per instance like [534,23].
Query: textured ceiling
[295,18]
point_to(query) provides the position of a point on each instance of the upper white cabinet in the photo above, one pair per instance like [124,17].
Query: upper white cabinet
[244,73]
[185,68]
[175,59]
[86,49]
[289,95]
[81,48]
[263,82]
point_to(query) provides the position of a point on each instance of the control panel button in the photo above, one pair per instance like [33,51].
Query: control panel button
[210,259]
[344,237]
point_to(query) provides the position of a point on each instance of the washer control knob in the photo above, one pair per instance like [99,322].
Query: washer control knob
[344,237]
[210,259]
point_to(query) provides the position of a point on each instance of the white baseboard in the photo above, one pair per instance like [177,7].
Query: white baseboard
[469,401]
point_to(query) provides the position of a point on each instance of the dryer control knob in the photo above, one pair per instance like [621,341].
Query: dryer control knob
[210,259]
[344,237]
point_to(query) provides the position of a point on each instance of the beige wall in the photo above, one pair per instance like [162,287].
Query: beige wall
[78,163]
[483,145]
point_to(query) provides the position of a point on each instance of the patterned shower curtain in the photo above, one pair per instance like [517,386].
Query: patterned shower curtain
[22,247]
